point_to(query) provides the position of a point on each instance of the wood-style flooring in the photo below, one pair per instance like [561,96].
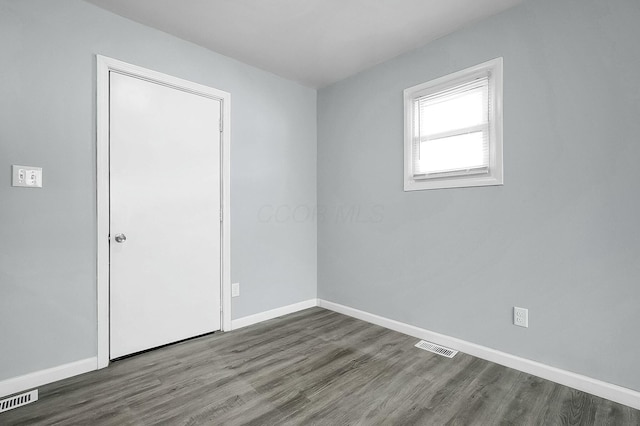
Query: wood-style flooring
[314,367]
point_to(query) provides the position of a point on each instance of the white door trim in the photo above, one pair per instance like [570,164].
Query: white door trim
[104,66]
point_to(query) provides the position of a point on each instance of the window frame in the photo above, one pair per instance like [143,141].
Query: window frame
[495,176]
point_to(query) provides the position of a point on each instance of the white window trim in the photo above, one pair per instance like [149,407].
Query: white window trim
[495,176]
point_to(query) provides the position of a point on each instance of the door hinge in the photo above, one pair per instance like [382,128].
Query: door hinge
[221,125]
[220,214]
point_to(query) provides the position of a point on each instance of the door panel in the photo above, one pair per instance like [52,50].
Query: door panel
[165,198]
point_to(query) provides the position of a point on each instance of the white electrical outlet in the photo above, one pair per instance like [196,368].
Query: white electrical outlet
[520,317]
[235,289]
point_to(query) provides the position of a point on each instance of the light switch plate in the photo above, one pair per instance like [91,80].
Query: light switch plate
[235,289]
[26,176]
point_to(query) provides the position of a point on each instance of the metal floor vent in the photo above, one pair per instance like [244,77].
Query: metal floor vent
[18,400]
[436,349]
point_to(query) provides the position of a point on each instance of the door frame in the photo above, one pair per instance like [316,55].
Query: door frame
[105,65]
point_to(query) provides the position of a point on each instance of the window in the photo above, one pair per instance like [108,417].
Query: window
[453,130]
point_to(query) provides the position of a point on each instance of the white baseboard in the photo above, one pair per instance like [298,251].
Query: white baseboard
[596,387]
[577,381]
[50,375]
[273,313]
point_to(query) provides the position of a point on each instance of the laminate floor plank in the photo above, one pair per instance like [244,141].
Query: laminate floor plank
[313,367]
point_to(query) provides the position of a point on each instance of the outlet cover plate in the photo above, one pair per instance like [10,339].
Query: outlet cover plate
[520,317]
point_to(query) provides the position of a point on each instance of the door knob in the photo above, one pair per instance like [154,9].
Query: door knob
[120,238]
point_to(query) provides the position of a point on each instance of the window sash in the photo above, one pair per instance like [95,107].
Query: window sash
[448,94]
[457,132]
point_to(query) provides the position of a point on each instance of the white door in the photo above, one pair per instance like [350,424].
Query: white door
[164,214]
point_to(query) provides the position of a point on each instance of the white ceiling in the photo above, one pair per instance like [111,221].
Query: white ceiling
[314,42]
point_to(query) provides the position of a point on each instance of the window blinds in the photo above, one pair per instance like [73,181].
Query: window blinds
[451,131]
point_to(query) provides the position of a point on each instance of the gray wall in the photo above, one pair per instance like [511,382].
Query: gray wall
[47,119]
[560,238]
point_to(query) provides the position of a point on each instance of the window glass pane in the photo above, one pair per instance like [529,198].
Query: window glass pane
[457,111]
[460,152]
